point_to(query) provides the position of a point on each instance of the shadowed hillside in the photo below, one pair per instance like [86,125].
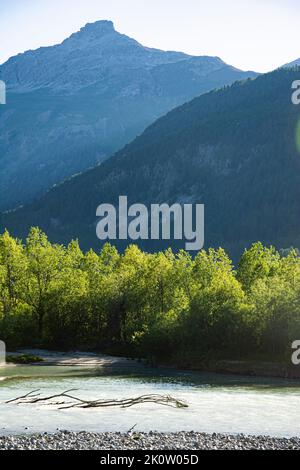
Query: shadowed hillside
[233,150]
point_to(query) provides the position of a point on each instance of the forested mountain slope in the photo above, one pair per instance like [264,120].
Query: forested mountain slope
[237,150]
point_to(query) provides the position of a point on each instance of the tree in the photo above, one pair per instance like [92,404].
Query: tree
[257,263]
[13,269]
[45,262]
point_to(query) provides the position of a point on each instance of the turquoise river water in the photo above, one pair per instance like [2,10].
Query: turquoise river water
[217,403]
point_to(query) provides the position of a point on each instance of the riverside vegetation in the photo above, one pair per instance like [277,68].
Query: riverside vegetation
[164,306]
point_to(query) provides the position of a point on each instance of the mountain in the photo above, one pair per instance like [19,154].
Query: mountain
[295,63]
[72,105]
[236,150]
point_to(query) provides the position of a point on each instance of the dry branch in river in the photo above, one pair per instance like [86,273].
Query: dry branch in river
[71,401]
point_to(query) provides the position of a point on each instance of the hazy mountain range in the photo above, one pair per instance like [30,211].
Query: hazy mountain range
[72,105]
[237,150]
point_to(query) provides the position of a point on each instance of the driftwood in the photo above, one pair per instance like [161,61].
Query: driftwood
[35,397]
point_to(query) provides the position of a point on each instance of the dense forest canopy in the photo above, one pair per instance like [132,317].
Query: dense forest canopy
[163,306]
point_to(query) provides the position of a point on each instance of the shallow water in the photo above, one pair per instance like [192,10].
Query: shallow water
[217,403]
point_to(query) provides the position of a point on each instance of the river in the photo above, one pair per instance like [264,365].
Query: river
[217,403]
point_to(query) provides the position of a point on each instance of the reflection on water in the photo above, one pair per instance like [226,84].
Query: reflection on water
[217,403]
[146,375]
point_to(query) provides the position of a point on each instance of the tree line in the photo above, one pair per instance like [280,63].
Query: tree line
[164,306]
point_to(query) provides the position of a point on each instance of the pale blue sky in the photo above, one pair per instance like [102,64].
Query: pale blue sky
[259,35]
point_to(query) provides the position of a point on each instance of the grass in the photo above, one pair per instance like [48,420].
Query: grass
[23,359]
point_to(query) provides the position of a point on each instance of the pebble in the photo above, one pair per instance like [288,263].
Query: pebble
[66,440]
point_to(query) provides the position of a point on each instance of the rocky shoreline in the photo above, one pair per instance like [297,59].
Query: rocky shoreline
[65,440]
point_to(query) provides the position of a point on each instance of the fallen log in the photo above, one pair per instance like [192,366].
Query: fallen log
[35,397]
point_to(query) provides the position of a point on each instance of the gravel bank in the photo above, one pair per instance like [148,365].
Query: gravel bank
[56,358]
[151,441]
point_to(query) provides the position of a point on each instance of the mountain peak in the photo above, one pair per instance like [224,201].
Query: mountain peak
[79,101]
[99,27]
[93,31]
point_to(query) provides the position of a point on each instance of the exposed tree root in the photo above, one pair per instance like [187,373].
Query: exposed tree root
[75,402]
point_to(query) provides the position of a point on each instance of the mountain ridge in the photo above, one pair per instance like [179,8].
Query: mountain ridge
[234,149]
[295,63]
[96,39]
[72,105]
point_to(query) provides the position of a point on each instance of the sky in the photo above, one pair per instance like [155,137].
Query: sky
[258,35]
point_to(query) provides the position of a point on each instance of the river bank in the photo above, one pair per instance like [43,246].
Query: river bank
[145,441]
[73,358]
[244,368]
